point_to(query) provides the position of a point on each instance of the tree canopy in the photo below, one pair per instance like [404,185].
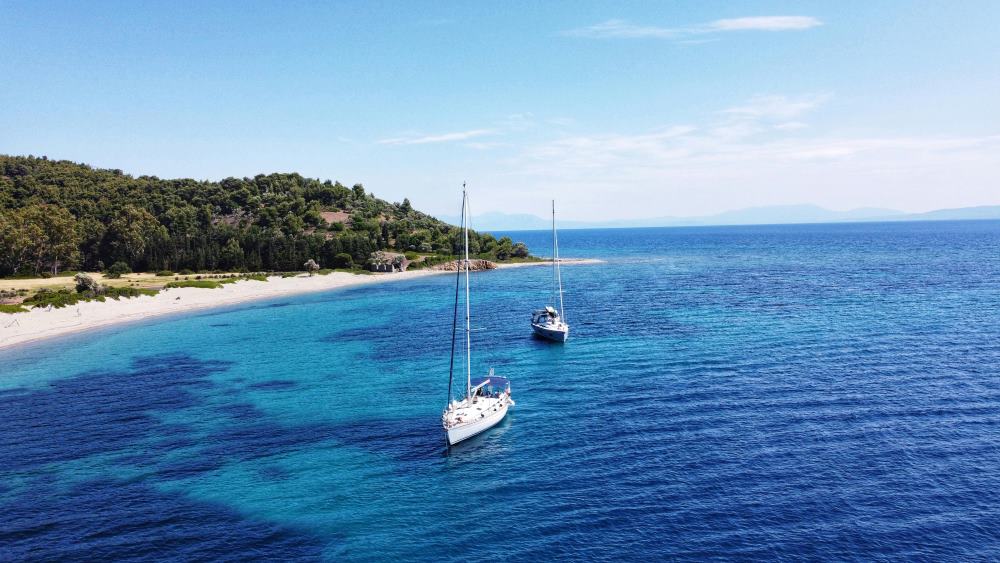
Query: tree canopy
[60,215]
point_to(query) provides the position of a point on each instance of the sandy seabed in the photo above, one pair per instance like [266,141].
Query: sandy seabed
[38,324]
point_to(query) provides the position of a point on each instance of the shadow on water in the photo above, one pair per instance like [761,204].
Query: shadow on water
[104,520]
[243,434]
[406,439]
[385,340]
[228,310]
[97,412]
[368,334]
[122,412]
[276,384]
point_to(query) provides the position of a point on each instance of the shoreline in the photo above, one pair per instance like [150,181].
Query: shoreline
[36,325]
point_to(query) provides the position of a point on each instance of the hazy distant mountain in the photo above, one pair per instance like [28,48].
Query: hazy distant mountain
[981,212]
[777,214]
[770,215]
[495,221]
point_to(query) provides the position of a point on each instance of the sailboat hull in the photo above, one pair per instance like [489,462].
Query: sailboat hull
[490,419]
[550,333]
[547,323]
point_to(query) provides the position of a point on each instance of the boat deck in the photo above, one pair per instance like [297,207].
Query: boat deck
[480,408]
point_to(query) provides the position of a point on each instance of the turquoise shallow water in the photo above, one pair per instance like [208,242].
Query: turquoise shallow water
[825,391]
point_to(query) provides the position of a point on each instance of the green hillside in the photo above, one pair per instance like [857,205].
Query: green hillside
[59,215]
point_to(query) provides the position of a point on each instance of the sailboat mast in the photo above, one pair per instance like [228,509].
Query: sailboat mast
[454,319]
[468,325]
[555,255]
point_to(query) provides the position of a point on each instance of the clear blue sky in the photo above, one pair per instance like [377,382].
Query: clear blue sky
[617,109]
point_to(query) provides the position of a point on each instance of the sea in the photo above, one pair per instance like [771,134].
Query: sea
[818,392]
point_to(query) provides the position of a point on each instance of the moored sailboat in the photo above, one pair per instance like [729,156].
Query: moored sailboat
[486,399]
[550,322]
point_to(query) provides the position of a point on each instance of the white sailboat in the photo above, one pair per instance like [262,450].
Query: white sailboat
[550,322]
[486,399]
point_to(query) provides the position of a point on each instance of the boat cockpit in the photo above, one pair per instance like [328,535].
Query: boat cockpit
[492,386]
[547,316]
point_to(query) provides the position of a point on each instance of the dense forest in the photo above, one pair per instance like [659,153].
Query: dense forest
[61,215]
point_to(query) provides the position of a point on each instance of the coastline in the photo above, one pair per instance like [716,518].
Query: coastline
[44,324]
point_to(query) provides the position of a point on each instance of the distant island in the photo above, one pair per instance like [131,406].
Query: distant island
[57,215]
[769,215]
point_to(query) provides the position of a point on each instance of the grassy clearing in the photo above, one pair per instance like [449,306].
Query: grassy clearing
[58,299]
[65,297]
[12,309]
[204,284]
[127,292]
[514,260]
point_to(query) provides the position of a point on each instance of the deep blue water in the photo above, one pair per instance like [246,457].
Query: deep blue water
[825,391]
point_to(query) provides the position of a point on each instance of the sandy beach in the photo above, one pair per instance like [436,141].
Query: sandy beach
[38,324]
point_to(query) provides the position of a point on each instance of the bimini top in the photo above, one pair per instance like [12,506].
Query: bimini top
[494,381]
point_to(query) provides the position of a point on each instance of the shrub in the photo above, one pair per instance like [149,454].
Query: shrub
[185,272]
[57,299]
[164,273]
[520,250]
[311,266]
[85,283]
[117,270]
[343,260]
